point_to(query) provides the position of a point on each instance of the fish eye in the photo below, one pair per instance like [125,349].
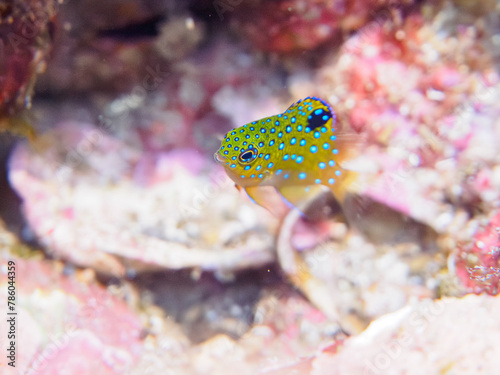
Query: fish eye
[248,156]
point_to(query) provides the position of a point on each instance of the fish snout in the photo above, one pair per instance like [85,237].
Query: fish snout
[219,158]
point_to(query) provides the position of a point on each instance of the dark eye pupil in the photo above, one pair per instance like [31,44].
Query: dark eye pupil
[247,156]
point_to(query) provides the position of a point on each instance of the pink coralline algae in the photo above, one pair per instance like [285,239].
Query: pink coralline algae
[478,262]
[367,79]
[70,325]
[421,338]
[423,128]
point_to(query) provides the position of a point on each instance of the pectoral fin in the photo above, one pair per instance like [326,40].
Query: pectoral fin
[269,198]
[301,196]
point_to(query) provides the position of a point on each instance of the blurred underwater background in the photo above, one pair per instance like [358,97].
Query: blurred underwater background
[134,252]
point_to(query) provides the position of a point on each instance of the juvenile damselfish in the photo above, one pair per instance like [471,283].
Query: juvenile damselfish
[299,152]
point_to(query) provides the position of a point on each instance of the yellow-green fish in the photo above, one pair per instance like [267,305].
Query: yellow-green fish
[299,152]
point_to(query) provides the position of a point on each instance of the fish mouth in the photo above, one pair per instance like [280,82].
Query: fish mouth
[219,158]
